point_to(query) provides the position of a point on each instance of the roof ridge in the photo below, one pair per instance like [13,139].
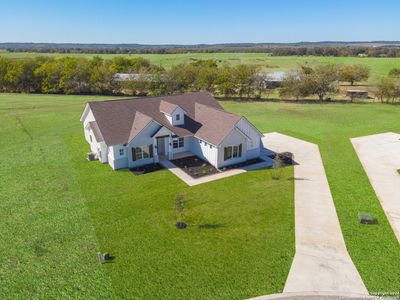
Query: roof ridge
[218,109]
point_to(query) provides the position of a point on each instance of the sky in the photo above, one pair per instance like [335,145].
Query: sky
[195,22]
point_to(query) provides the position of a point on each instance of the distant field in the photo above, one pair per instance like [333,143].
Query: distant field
[379,66]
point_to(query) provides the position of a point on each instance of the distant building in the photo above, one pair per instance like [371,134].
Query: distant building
[130,76]
[274,79]
[357,94]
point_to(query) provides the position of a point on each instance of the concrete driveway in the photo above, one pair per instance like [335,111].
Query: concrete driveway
[321,262]
[380,156]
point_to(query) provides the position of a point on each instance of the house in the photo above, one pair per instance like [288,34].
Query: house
[135,132]
[120,77]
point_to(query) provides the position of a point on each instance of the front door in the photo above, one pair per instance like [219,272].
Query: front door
[161,146]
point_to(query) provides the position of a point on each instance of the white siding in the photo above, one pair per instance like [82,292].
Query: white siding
[142,139]
[179,111]
[172,118]
[186,145]
[116,160]
[204,150]
[235,138]
[254,140]
[100,149]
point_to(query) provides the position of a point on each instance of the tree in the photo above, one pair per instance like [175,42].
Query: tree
[322,81]
[179,210]
[319,81]
[101,79]
[4,66]
[224,81]
[354,73]
[75,76]
[49,75]
[394,73]
[243,79]
[21,77]
[293,86]
[388,89]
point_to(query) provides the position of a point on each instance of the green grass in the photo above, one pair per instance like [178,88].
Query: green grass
[58,210]
[374,249]
[379,66]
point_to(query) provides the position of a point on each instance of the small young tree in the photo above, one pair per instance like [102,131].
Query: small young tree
[277,168]
[179,210]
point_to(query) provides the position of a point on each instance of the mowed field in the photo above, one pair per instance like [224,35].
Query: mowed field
[58,210]
[379,66]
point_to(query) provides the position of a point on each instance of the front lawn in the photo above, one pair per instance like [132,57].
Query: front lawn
[239,241]
[58,210]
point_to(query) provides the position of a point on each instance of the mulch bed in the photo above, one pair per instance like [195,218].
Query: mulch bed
[195,166]
[243,164]
[287,158]
[146,169]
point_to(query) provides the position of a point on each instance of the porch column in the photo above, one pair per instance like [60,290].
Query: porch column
[155,152]
[170,154]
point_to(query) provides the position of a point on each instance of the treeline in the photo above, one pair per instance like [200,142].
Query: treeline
[378,51]
[71,75]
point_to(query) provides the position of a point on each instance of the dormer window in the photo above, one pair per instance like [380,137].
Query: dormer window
[173,112]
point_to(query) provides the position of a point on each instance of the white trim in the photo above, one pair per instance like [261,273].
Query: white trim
[147,125]
[237,129]
[244,118]
[85,113]
[195,136]
[177,106]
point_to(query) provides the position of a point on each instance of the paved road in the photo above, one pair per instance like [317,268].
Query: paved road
[321,262]
[380,157]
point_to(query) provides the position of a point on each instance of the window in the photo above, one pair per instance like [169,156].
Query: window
[178,143]
[139,153]
[232,152]
[121,152]
[178,117]
[142,152]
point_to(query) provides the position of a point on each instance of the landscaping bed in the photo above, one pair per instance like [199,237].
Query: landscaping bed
[243,164]
[195,166]
[146,169]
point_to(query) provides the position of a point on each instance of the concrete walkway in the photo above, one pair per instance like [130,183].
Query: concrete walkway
[267,162]
[380,156]
[321,262]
